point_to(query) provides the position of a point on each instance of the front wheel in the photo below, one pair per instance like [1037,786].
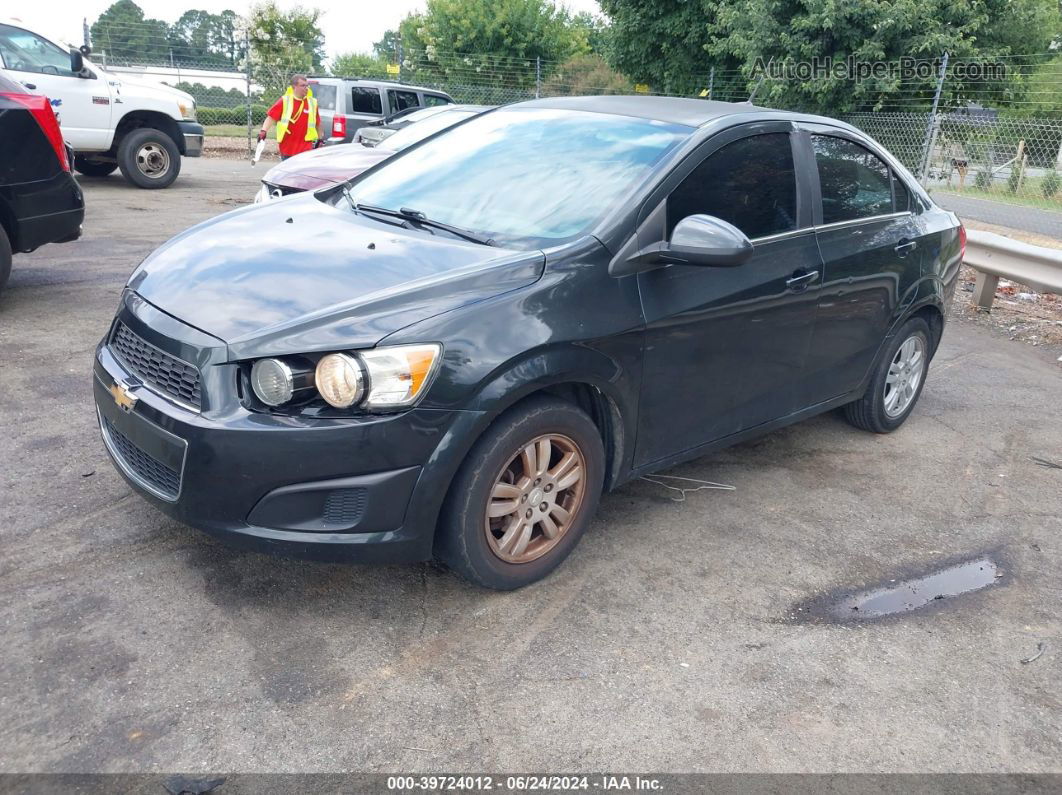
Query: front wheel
[524,495]
[897,382]
[149,158]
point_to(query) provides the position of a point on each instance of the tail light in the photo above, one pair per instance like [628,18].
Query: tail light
[42,111]
[339,126]
[962,242]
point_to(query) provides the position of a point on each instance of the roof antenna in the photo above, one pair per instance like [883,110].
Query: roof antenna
[755,88]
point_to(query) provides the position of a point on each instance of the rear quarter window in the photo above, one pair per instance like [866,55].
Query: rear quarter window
[325,95]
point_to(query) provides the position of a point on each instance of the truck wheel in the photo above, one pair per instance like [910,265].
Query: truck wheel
[93,168]
[5,258]
[149,158]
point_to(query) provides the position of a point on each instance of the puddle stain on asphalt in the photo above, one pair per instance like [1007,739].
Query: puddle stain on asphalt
[902,596]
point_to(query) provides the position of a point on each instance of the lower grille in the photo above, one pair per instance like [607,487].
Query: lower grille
[344,507]
[164,372]
[153,472]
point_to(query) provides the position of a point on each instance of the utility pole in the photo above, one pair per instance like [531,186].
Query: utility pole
[85,32]
[711,81]
[934,123]
[538,75]
[250,118]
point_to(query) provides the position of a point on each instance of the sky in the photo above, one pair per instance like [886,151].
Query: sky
[348,25]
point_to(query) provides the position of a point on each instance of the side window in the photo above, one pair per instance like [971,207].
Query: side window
[901,195]
[26,52]
[750,183]
[326,95]
[433,100]
[402,100]
[855,183]
[365,100]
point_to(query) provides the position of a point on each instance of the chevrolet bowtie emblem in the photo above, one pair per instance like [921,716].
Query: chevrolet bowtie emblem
[123,396]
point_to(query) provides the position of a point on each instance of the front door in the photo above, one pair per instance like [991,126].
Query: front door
[724,347]
[83,104]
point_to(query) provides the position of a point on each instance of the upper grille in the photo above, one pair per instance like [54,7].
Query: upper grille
[284,190]
[149,469]
[173,376]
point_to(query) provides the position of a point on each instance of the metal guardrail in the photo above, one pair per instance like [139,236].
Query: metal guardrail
[994,256]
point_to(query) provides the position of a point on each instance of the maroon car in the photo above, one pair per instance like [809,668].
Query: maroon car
[330,165]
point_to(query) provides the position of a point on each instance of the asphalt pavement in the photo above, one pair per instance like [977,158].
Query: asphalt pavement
[671,640]
[1016,216]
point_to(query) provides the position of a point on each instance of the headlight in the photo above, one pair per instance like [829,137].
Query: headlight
[273,381]
[187,110]
[339,380]
[399,374]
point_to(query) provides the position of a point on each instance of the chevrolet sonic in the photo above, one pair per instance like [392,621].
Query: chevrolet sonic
[456,352]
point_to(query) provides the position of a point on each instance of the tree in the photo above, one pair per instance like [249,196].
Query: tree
[387,47]
[283,43]
[583,75]
[124,34]
[359,64]
[458,41]
[673,44]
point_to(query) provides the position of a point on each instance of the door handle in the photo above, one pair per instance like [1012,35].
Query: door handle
[800,281]
[905,247]
[30,86]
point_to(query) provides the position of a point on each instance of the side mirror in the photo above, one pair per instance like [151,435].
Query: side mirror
[77,61]
[696,240]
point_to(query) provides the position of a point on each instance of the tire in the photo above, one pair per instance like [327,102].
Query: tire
[5,258]
[884,407]
[149,158]
[497,461]
[93,168]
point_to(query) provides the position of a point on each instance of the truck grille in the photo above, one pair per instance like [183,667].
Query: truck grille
[167,373]
[153,472]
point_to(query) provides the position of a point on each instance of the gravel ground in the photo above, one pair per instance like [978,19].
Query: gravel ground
[671,639]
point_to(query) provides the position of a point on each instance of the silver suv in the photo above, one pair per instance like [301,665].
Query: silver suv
[347,104]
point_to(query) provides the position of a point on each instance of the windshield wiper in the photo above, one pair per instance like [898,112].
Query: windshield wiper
[417,217]
[350,199]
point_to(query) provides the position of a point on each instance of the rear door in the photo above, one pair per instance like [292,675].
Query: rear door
[725,347]
[871,244]
[83,104]
[399,100]
[363,105]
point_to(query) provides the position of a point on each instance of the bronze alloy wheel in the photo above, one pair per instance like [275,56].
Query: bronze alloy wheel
[535,499]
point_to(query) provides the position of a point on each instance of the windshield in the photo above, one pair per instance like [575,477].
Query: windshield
[422,129]
[524,176]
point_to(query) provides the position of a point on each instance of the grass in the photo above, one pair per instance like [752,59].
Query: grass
[226,130]
[1029,196]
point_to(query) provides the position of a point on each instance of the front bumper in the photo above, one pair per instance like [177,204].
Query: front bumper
[360,488]
[193,137]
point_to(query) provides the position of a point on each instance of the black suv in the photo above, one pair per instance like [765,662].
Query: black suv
[40,201]
[454,353]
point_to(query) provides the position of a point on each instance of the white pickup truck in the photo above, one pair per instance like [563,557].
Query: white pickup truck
[110,123]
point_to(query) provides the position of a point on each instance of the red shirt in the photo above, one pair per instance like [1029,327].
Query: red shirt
[295,141]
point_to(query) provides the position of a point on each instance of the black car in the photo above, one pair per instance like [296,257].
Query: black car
[40,201]
[457,351]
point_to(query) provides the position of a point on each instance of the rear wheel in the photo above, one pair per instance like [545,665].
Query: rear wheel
[94,168]
[149,158]
[897,382]
[5,258]
[524,495]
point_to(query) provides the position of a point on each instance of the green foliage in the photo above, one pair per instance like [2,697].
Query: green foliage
[285,42]
[125,35]
[203,39]
[357,64]
[213,96]
[983,180]
[1051,184]
[1014,178]
[583,75]
[386,49]
[455,41]
[673,44]
[236,114]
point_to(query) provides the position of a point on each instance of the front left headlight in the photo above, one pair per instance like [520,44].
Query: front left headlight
[187,110]
[377,379]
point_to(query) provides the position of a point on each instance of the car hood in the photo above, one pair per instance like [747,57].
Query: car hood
[319,168]
[299,275]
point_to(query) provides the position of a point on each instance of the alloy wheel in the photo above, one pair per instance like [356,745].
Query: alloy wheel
[535,499]
[904,376]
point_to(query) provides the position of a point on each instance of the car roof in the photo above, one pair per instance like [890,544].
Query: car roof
[673,110]
[372,81]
